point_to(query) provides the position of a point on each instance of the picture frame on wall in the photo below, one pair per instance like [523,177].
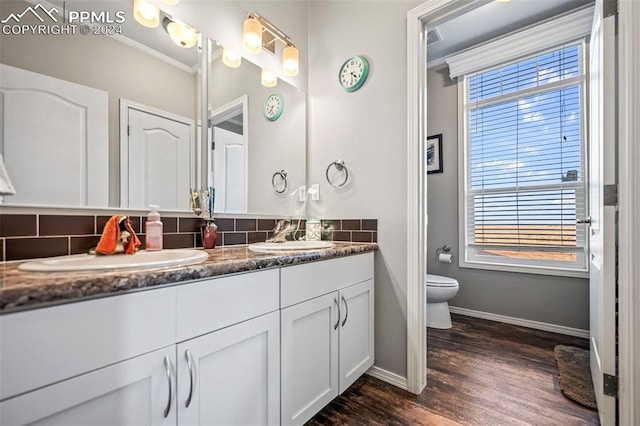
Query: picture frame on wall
[434,154]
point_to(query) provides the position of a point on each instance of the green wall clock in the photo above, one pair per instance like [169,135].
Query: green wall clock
[273,106]
[353,73]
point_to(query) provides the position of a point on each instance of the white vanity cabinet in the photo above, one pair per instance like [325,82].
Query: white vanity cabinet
[116,360]
[262,348]
[327,332]
[230,376]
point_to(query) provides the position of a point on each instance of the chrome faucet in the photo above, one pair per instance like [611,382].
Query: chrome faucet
[281,231]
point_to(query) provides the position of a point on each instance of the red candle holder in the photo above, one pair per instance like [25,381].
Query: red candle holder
[209,234]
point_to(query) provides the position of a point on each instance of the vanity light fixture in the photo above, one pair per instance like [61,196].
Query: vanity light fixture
[146,14]
[268,79]
[252,35]
[181,34]
[259,33]
[290,61]
[170,2]
[231,58]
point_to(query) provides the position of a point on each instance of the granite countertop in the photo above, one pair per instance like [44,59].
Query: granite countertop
[22,290]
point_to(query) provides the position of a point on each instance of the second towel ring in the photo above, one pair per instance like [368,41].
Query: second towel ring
[283,176]
[339,164]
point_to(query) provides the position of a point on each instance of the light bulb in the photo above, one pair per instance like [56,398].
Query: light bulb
[268,79]
[181,34]
[252,35]
[290,61]
[231,58]
[146,14]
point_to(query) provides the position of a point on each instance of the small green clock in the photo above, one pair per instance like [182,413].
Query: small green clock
[273,106]
[353,73]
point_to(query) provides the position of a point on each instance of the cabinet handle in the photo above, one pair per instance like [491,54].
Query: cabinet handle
[187,355]
[335,327]
[167,366]
[346,313]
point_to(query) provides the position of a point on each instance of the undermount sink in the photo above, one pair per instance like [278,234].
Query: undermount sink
[290,246]
[141,259]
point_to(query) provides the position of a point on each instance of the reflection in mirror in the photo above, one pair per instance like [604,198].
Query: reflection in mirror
[249,143]
[229,133]
[104,119]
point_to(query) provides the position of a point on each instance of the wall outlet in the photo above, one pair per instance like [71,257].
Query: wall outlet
[302,192]
[315,192]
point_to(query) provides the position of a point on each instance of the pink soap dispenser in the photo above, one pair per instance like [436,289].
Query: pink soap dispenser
[153,238]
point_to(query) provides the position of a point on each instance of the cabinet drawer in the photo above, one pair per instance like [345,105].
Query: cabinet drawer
[47,345]
[209,305]
[304,282]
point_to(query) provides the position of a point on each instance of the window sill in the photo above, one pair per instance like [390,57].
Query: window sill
[525,269]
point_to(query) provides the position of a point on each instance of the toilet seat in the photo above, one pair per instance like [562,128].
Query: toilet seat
[440,281]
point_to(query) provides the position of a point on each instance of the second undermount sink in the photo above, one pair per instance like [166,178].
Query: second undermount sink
[141,259]
[290,246]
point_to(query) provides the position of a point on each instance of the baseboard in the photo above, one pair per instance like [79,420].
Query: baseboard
[521,322]
[388,377]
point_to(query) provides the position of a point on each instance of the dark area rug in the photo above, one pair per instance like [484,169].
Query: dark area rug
[575,374]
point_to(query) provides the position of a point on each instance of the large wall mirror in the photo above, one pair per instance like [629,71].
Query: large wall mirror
[256,159]
[99,120]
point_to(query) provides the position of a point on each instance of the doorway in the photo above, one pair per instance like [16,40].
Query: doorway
[417,103]
[228,156]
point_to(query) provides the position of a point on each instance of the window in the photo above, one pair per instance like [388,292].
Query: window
[524,164]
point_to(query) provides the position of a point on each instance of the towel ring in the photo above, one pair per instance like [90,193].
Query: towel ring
[339,164]
[283,177]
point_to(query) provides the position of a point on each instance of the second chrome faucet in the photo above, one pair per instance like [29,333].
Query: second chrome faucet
[282,230]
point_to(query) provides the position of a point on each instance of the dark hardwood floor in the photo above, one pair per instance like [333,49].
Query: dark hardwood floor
[479,373]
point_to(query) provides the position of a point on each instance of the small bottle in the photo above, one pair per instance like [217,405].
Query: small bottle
[153,239]
[313,230]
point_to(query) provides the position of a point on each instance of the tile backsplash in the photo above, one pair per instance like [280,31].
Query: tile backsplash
[26,236]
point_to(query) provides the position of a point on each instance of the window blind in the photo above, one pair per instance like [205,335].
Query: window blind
[525,170]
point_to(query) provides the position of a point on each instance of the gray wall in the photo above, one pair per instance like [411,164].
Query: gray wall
[273,145]
[555,300]
[367,129]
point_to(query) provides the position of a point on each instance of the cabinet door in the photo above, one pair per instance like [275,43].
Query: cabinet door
[356,332]
[309,357]
[139,391]
[231,376]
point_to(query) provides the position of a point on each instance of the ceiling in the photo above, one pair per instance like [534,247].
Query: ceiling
[490,20]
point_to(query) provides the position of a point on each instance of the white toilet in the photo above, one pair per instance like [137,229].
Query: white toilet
[439,290]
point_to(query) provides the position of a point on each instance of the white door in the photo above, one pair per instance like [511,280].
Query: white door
[229,171]
[156,165]
[231,376]
[140,391]
[356,332]
[68,125]
[602,287]
[309,357]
